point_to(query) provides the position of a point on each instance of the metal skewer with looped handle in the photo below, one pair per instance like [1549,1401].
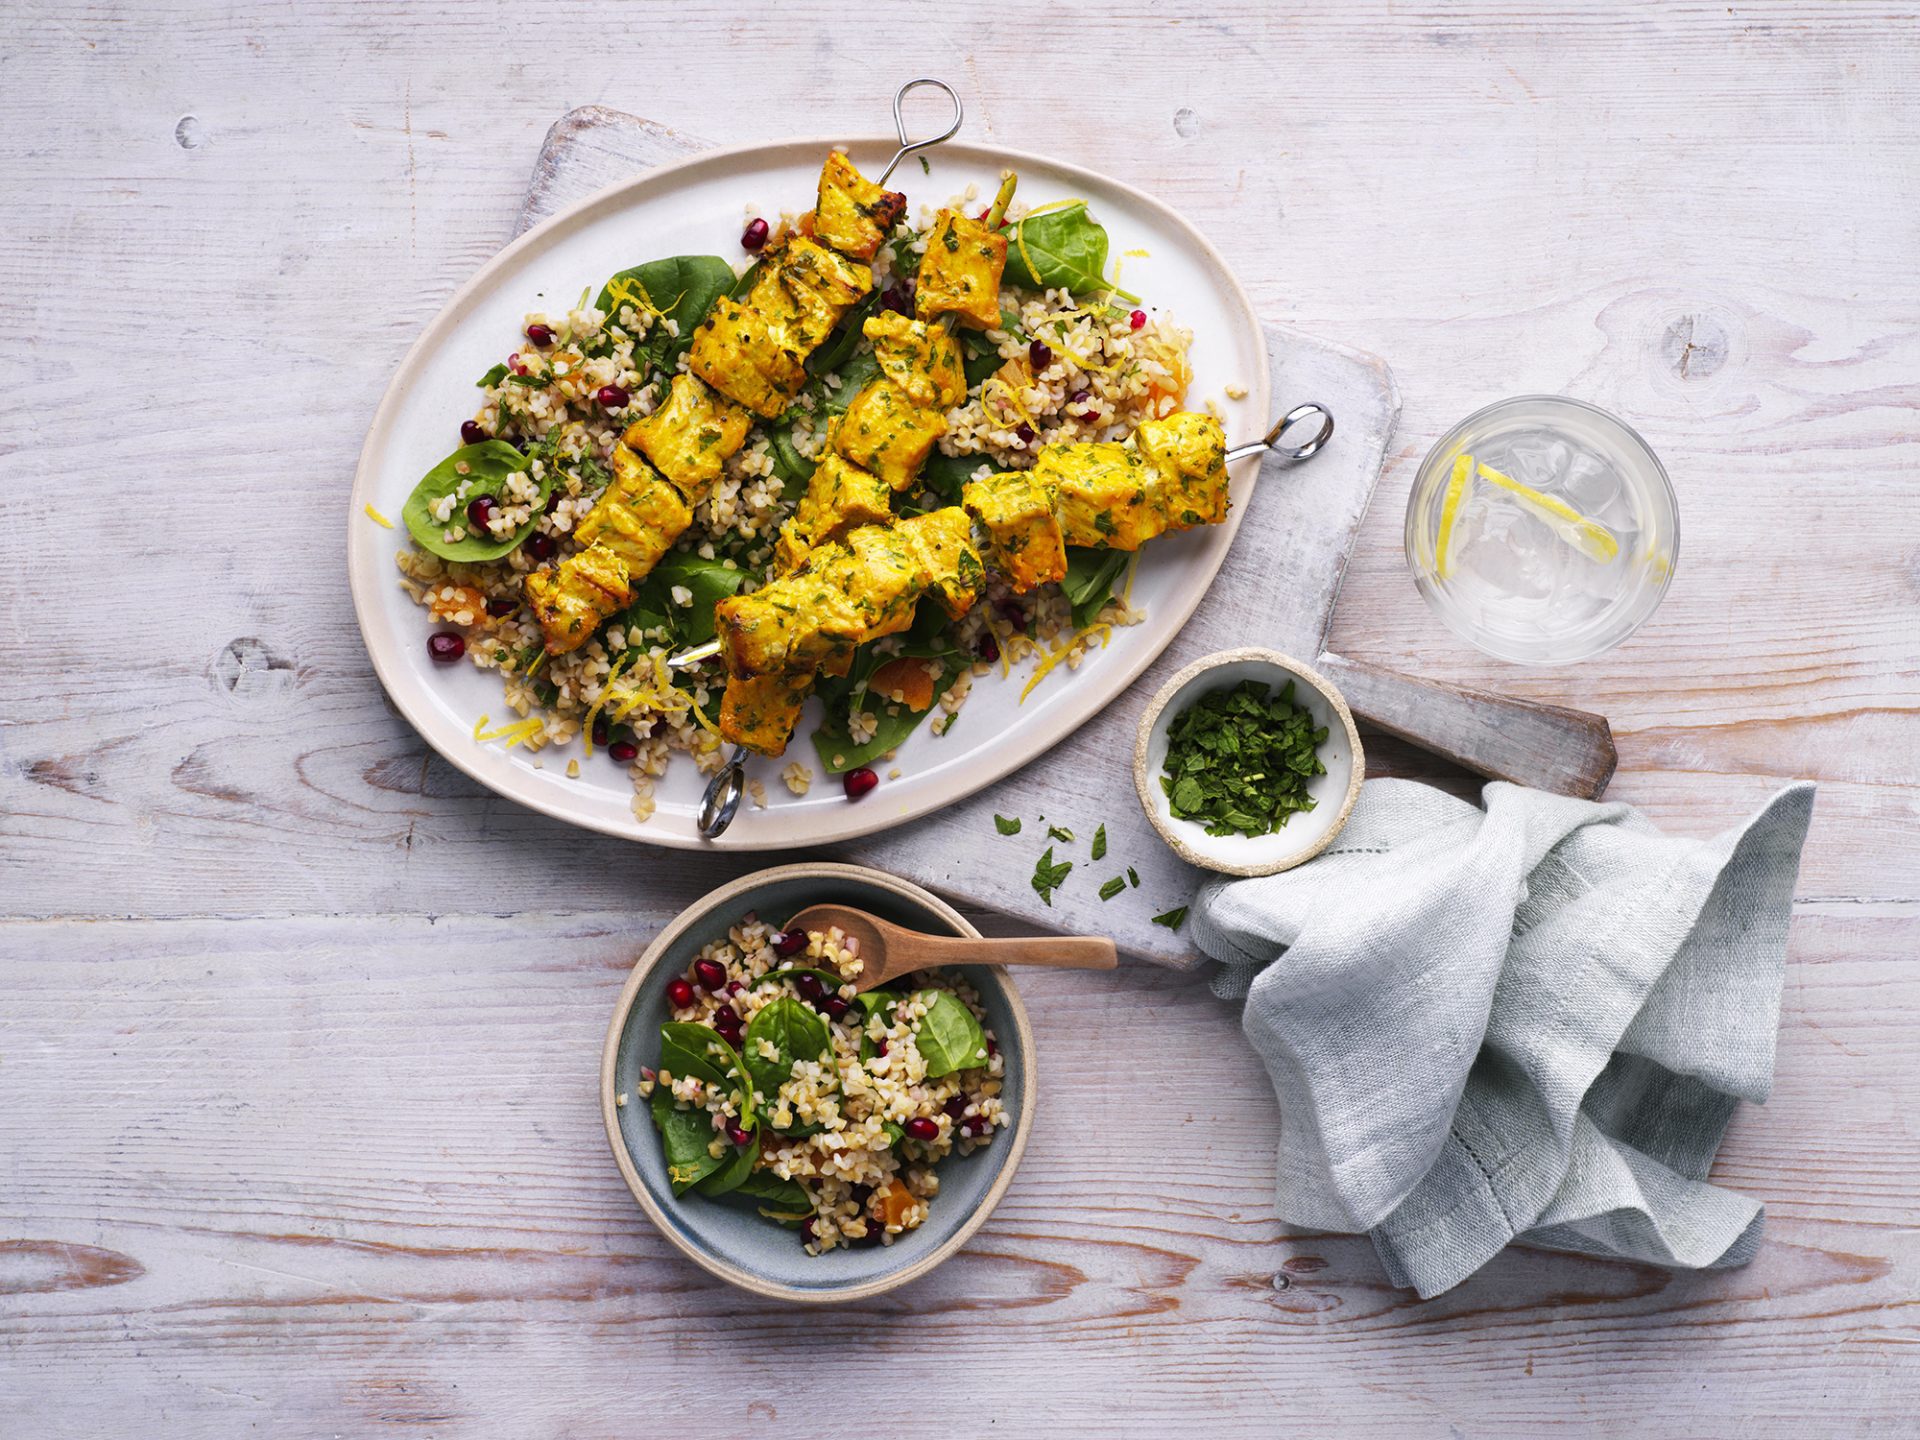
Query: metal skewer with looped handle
[721,802]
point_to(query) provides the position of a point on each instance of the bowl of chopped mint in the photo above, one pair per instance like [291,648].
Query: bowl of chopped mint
[1248,762]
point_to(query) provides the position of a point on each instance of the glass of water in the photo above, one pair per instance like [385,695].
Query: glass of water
[1542,530]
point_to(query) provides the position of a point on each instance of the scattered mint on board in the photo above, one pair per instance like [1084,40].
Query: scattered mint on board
[1239,759]
[1056,832]
[1048,876]
[1006,826]
[1113,887]
[1172,919]
[1100,843]
[1133,877]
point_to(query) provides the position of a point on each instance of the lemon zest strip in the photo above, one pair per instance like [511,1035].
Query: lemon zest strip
[377,518]
[1449,512]
[1589,537]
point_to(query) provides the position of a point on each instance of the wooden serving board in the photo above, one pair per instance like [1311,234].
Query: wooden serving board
[1277,589]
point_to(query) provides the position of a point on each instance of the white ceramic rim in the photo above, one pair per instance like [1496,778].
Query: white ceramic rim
[1023,744]
[610,1115]
[1143,780]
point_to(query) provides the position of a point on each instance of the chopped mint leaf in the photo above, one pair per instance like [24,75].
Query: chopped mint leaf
[1047,876]
[1113,887]
[1172,919]
[1055,832]
[1100,843]
[1006,826]
[1133,877]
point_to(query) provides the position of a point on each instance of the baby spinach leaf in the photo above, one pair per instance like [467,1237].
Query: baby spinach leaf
[1113,887]
[684,1051]
[871,1003]
[834,741]
[1172,919]
[1062,249]
[488,465]
[1047,876]
[711,581]
[1090,579]
[1006,826]
[845,339]
[945,474]
[854,376]
[948,1036]
[978,359]
[779,1198]
[684,1138]
[735,1166]
[796,1032]
[1099,850]
[681,288]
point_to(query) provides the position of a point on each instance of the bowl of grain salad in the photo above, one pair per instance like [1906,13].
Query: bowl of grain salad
[796,1137]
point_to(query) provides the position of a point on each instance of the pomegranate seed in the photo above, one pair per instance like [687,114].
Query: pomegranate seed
[955,1108]
[756,234]
[611,397]
[734,987]
[789,942]
[1080,397]
[860,1194]
[553,502]
[679,994]
[835,1006]
[621,752]
[737,1136]
[1038,356]
[480,511]
[502,607]
[921,1128]
[859,782]
[541,547]
[540,334]
[808,1233]
[600,732]
[1137,320]
[810,988]
[513,364]
[993,1048]
[880,1049]
[1025,433]
[471,432]
[446,647]
[898,298]
[709,974]
[988,649]
[1011,613]
[647,1072]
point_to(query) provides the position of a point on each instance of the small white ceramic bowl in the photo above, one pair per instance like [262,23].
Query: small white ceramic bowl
[1306,832]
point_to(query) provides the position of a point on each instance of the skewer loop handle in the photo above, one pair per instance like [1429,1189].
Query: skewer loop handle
[722,798]
[909,145]
[1291,453]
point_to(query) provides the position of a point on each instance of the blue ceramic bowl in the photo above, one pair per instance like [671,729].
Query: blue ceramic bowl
[732,1241]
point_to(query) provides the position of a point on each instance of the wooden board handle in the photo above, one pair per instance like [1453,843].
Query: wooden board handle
[1549,747]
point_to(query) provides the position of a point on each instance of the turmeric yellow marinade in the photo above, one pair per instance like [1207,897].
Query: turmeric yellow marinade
[748,358]
[875,450]
[847,592]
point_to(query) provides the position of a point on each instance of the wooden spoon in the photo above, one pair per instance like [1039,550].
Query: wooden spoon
[888,951]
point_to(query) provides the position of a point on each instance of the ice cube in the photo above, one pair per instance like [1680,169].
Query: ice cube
[1591,485]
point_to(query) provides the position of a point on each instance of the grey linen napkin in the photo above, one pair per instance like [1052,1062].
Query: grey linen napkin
[1525,1022]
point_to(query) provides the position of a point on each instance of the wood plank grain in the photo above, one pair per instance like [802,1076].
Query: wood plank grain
[314,1154]
[342,1151]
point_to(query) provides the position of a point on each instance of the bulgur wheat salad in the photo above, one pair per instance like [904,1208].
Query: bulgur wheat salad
[794,462]
[825,1109]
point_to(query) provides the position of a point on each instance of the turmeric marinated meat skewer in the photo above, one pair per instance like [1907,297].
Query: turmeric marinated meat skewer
[747,359]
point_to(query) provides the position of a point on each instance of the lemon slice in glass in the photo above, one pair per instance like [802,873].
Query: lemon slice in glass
[1450,513]
[1589,537]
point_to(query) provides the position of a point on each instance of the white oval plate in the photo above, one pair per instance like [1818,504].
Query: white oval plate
[698,207]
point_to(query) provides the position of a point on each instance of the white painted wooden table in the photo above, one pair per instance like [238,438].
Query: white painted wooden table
[298,1032]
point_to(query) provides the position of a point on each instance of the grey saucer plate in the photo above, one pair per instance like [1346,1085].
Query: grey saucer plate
[728,1237]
